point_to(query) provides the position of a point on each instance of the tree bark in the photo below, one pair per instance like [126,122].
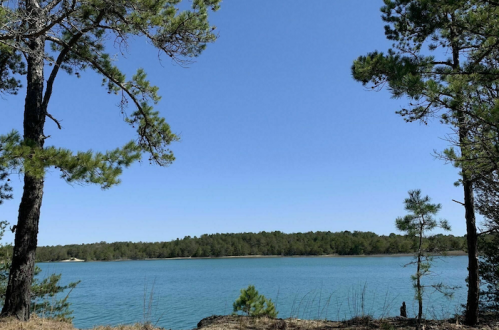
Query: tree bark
[418,276]
[18,295]
[471,317]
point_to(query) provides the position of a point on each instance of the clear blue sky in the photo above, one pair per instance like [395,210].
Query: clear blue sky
[276,135]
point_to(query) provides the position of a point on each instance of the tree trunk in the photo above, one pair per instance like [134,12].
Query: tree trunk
[471,317]
[418,278]
[18,295]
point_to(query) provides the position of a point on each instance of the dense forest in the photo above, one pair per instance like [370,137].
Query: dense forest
[244,244]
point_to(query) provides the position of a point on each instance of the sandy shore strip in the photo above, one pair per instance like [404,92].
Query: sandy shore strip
[444,254]
[73,260]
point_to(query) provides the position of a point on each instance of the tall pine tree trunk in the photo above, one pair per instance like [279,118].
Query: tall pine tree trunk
[471,317]
[418,277]
[18,295]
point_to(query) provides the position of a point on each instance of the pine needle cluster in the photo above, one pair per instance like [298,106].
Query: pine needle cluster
[254,304]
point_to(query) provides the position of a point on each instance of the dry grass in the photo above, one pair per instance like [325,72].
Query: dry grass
[37,323]
[247,323]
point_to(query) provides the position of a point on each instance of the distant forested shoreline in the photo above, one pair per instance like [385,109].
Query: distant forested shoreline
[248,244]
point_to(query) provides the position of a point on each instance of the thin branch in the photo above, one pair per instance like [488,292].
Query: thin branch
[458,202]
[487,231]
[55,120]
[51,5]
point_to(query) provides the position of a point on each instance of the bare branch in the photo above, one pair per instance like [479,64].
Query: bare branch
[458,202]
[55,120]
[60,59]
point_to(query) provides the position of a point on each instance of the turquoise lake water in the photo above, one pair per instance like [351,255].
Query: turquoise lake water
[185,291]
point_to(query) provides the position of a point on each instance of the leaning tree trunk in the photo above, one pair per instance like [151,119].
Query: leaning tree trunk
[18,295]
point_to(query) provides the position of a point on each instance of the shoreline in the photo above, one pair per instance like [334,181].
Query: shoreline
[445,254]
[242,322]
[72,260]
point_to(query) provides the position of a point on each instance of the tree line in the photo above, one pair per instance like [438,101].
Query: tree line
[247,244]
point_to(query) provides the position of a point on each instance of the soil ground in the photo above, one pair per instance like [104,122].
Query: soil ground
[396,323]
[247,323]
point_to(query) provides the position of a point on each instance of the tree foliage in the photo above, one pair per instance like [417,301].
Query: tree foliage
[444,59]
[5,188]
[77,33]
[489,296]
[254,304]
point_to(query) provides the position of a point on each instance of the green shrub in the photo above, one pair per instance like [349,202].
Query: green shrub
[253,304]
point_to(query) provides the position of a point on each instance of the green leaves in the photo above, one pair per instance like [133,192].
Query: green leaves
[252,303]
[5,188]
[45,292]
[489,272]
[80,167]
[421,217]
[77,34]
[454,80]
[11,64]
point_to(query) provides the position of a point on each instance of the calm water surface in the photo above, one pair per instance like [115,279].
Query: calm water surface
[185,291]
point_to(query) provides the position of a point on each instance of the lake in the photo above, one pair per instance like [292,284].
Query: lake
[185,291]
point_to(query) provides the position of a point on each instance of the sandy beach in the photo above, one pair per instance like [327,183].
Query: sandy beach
[445,254]
[73,260]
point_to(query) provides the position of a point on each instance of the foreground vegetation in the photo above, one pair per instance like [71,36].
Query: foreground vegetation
[240,322]
[245,244]
[37,323]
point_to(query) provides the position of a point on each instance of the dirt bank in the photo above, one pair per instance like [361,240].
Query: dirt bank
[397,323]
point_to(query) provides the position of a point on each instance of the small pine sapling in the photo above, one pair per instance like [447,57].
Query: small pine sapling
[417,224]
[254,304]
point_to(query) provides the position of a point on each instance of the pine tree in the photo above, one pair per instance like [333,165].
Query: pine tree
[417,224]
[489,274]
[456,84]
[254,304]
[69,35]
